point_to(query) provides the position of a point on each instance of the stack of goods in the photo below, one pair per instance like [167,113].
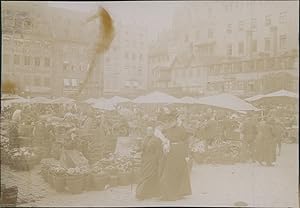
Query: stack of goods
[23,158]
[223,152]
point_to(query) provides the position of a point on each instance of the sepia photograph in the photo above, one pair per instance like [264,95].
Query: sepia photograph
[149,103]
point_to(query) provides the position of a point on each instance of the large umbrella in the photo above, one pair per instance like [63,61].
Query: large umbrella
[9,97]
[188,100]
[18,100]
[118,99]
[227,101]
[282,93]
[254,98]
[156,98]
[99,100]
[90,100]
[40,100]
[104,105]
[63,100]
[281,96]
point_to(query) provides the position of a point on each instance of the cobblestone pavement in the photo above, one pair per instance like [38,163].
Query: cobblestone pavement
[31,186]
[213,185]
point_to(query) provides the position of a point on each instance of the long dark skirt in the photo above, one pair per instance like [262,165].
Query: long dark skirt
[175,178]
[265,150]
[148,185]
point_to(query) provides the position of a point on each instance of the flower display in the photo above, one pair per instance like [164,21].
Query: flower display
[57,170]
[198,146]
[25,153]
[77,171]
[49,164]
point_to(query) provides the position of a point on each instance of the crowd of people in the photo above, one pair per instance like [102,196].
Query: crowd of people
[167,133]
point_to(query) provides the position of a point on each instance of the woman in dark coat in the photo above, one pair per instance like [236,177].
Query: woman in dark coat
[175,178]
[265,143]
[148,185]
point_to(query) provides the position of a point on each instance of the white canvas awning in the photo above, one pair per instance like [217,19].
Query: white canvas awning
[156,98]
[90,100]
[118,99]
[188,100]
[40,100]
[254,98]
[63,100]
[227,101]
[104,105]
[282,93]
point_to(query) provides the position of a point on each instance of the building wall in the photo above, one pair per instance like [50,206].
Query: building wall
[53,47]
[237,31]
[126,62]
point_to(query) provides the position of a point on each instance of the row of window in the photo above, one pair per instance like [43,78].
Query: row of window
[36,81]
[71,67]
[71,82]
[159,59]
[234,85]
[253,22]
[133,56]
[257,65]
[239,67]
[132,84]
[27,60]
[267,46]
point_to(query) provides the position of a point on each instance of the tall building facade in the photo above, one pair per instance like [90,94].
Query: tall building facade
[126,62]
[233,46]
[43,43]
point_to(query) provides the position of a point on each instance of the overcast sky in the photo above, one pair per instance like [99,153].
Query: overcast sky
[155,15]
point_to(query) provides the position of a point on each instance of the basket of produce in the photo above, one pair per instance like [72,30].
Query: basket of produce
[58,178]
[75,179]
